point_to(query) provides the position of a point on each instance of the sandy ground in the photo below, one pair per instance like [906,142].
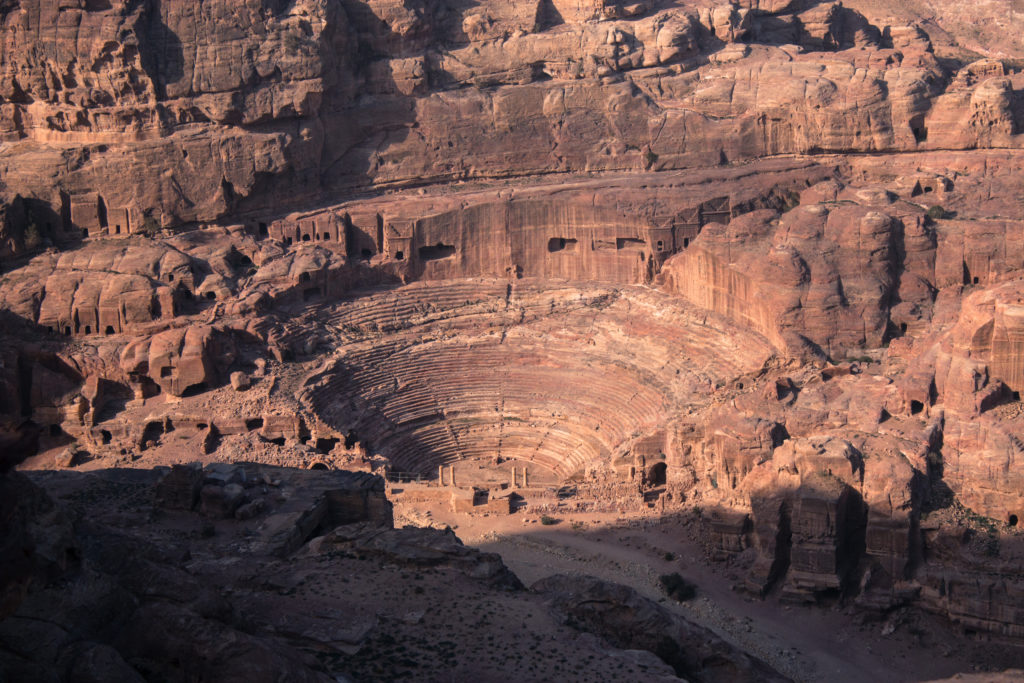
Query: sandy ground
[807,643]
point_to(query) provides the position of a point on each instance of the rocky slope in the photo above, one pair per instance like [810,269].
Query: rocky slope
[262,574]
[756,262]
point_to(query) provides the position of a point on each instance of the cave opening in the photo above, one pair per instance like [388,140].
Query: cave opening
[151,434]
[194,389]
[1012,520]
[436,252]
[326,445]
[658,474]
[556,244]
[916,407]
[628,243]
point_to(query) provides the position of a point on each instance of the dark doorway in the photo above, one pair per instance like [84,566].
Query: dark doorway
[438,251]
[657,475]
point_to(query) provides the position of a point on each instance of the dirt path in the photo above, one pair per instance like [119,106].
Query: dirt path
[806,643]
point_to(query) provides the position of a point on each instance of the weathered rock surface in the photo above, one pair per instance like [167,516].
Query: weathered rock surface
[631,621]
[761,259]
[251,107]
[97,592]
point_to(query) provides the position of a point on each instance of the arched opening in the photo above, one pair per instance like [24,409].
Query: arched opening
[305,238]
[916,407]
[170,277]
[399,255]
[85,232]
[88,329]
[109,331]
[67,331]
[106,436]
[319,466]
[656,475]
[1012,520]
[304,277]
[686,242]
[367,253]
[661,245]
[903,328]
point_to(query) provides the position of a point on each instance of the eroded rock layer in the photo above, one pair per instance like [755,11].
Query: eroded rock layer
[758,263]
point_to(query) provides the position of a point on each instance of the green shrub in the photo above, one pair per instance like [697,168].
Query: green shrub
[548,521]
[677,588]
[33,238]
[150,227]
[937,213]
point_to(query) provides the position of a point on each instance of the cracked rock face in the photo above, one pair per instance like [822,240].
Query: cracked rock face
[755,263]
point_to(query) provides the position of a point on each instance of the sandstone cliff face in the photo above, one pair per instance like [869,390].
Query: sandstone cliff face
[258,106]
[434,233]
[844,270]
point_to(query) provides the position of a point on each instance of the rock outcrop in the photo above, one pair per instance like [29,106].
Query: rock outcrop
[757,262]
[259,106]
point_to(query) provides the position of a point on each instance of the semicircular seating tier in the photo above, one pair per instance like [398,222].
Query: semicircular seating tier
[560,376]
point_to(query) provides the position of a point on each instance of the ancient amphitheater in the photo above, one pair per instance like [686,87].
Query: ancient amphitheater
[565,339]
